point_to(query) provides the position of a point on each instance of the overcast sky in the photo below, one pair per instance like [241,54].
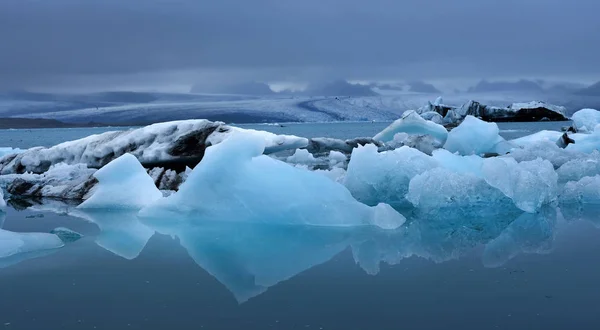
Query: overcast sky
[109,44]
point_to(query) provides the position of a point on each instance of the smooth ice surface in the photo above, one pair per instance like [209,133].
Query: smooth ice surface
[236,182]
[12,243]
[412,123]
[123,184]
[586,191]
[433,117]
[530,184]
[585,120]
[474,136]
[375,177]
[460,164]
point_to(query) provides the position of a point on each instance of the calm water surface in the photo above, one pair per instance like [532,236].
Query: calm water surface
[28,138]
[453,270]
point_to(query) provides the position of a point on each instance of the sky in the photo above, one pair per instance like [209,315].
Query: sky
[169,45]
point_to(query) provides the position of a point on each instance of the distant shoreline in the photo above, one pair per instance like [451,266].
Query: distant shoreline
[23,123]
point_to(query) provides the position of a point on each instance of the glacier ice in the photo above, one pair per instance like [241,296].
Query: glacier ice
[160,143]
[586,143]
[440,187]
[336,158]
[9,151]
[60,181]
[302,156]
[459,164]
[236,182]
[586,120]
[413,124]
[544,135]
[545,149]
[375,177]
[123,184]
[433,117]
[586,191]
[530,184]
[578,167]
[474,137]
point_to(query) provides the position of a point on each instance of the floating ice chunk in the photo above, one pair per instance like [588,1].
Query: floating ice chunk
[273,142]
[529,184]
[545,149]
[544,135]
[12,243]
[375,177]
[433,117]
[302,156]
[9,151]
[440,187]
[66,235]
[236,182]
[452,117]
[578,168]
[337,159]
[474,136]
[586,191]
[123,184]
[438,101]
[413,124]
[460,164]
[530,233]
[585,120]
[586,143]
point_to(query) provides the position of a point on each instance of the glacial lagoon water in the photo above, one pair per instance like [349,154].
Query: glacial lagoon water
[453,269]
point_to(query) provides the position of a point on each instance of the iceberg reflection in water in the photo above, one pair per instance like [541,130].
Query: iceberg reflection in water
[249,258]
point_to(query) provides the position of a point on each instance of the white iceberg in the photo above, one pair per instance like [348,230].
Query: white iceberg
[475,137]
[585,120]
[236,182]
[123,184]
[413,124]
[545,135]
[586,143]
[375,177]
[530,184]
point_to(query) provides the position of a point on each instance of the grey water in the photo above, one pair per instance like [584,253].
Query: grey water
[455,269]
[517,271]
[47,137]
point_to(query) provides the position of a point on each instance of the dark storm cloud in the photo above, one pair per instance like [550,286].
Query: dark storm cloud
[290,39]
